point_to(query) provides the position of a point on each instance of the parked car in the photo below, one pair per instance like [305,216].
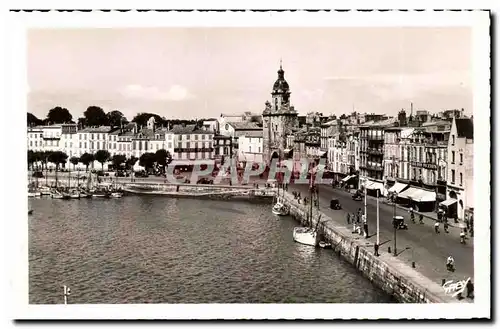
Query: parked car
[335,204]
[358,196]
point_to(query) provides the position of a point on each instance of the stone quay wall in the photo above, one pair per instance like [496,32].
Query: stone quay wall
[385,271]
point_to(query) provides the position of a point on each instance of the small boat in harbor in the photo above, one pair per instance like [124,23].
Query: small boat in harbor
[100,194]
[85,194]
[45,190]
[57,195]
[116,194]
[74,194]
[305,235]
[280,209]
[33,194]
[325,245]
[30,212]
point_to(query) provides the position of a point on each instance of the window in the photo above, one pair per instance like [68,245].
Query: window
[188,144]
[461,179]
[188,137]
[452,139]
[195,137]
[180,137]
[250,149]
[453,176]
[202,137]
[461,158]
[452,157]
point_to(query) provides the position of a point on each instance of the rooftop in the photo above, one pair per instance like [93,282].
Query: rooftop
[252,133]
[99,129]
[245,126]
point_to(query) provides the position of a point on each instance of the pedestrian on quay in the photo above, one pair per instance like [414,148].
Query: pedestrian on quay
[436,227]
[470,289]
[365,226]
[348,217]
[471,226]
[421,219]
[439,215]
[375,246]
[445,226]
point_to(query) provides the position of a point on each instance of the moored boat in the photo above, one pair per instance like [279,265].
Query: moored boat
[74,194]
[44,190]
[325,245]
[305,235]
[116,194]
[57,195]
[33,194]
[280,209]
[100,194]
[30,212]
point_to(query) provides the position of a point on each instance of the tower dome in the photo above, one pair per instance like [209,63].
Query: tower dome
[281,86]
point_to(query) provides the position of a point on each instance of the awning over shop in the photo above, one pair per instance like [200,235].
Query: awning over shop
[448,202]
[366,184]
[418,195]
[425,196]
[397,187]
[375,186]
[408,194]
[345,179]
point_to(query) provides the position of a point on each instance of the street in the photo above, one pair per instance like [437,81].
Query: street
[419,243]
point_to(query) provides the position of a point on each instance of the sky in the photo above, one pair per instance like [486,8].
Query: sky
[203,72]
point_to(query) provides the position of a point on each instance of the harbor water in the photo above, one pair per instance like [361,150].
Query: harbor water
[146,249]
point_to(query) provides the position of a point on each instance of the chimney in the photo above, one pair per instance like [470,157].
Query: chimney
[402,118]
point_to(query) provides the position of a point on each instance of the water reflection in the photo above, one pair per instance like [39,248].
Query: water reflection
[161,250]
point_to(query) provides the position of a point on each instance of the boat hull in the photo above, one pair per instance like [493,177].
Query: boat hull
[34,194]
[116,195]
[305,236]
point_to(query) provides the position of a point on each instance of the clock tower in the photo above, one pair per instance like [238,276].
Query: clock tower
[278,118]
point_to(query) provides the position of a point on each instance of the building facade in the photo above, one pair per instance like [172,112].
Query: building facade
[461,167]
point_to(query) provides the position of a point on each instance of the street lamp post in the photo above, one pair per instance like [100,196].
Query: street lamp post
[395,224]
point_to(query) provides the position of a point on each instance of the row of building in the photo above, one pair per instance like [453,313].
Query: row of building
[426,164]
[424,159]
[214,139]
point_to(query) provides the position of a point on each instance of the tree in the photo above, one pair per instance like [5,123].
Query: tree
[44,158]
[74,161]
[163,158]
[147,160]
[31,159]
[82,123]
[87,159]
[142,119]
[102,156]
[118,160]
[95,116]
[33,120]
[58,158]
[59,115]
[116,118]
[130,162]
